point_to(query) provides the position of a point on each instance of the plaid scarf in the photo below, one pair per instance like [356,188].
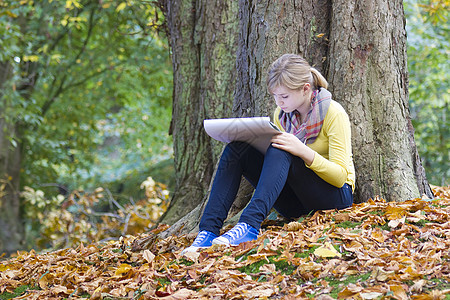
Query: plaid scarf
[308,131]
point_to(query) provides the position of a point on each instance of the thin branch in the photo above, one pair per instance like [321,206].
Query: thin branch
[111,198]
[52,99]
[125,227]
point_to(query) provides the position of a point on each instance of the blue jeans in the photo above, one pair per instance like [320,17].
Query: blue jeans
[281,180]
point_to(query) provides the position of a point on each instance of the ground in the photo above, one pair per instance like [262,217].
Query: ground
[373,250]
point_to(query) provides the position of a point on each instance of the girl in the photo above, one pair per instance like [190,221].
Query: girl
[307,167]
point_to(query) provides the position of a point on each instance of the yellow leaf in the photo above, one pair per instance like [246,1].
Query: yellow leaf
[378,236]
[123,269]
[121,6]
[320,35]
[3,268]
[31,58]
[11,14]
[71,3]
[327,251]
[56,57]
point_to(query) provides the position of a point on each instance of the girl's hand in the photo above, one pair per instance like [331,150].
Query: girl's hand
[290,143]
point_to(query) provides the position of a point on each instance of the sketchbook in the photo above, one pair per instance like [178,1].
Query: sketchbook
[257,131]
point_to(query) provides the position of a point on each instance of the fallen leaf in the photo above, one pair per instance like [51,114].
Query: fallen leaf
[403,261]
[381,275]
[327,251]
[418,285]
[148,256]
[370,295]
[267,268]
[399,292]
[342,217]
[192,256]
[293,226]
[123,269]
[396,222]
[350,291]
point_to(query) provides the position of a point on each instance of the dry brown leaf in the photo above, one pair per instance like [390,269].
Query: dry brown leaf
[399,292]
[342,217]
[350,291]
[396,257]
[178,295]
[148,256]
[381,275]
[267,268]
[418,286]
[293,226]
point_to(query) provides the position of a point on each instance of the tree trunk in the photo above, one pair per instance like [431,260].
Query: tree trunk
[369,77]
[203,42]
[11,232]
[359,47]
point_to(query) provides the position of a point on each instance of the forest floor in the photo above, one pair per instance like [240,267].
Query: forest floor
[373,250]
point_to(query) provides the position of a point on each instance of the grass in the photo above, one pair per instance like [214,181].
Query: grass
[345,281]
[348,224]
[18,292]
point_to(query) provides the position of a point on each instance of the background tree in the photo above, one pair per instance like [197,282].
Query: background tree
[428,56]
[361,49]
[71,71]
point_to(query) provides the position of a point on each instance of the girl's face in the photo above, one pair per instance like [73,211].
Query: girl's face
[289,100]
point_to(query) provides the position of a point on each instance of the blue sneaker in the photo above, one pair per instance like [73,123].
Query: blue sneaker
[203,240]
[241,232]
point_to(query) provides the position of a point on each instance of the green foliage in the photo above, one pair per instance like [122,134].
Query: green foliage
[86,75]
[428,56]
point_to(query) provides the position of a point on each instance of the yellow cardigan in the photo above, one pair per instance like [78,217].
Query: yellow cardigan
[333,160]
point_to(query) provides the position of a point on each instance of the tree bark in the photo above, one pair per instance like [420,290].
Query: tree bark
[359,46]
[203,42]
[12,231]
[369,77]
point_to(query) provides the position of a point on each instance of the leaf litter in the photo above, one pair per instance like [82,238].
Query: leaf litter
[373,250]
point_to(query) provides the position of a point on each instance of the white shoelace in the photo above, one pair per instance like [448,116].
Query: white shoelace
[201,236]
[237,231]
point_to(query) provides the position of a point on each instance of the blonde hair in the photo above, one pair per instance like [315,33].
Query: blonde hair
[293,72]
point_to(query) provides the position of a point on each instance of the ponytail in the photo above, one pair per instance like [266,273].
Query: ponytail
[318,79]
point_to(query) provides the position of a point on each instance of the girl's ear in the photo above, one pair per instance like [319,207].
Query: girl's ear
[306,87]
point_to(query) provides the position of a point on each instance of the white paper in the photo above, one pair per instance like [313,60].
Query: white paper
[257,131]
